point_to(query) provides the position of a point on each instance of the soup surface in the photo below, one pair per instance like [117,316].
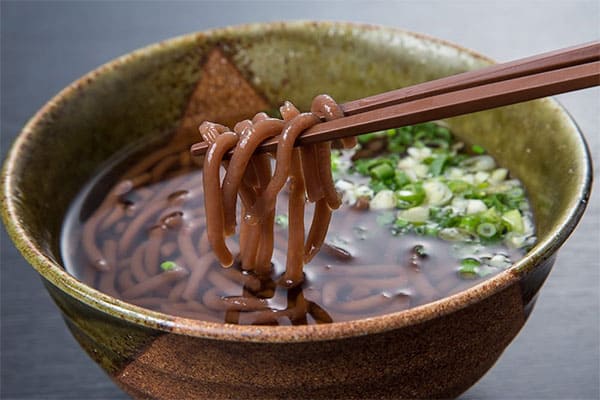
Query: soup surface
[412,229]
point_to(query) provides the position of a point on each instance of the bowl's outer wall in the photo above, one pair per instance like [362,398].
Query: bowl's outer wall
[145,95]
[439,358]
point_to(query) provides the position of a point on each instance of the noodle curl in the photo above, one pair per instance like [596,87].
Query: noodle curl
[249,177]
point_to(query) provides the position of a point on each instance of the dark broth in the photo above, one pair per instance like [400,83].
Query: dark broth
[362,271]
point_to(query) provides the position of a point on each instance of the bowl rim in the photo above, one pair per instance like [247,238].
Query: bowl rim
[54,273]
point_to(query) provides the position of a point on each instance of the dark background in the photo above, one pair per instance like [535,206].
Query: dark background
[46,45]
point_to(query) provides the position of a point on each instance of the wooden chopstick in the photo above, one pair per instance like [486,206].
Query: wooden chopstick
[530,78]
[566,57]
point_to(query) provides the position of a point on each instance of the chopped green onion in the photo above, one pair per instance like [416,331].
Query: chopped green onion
[499,261]
[470,262]
[469,223]
[475,206]
[383,200]
[335,161]
[168,265]
[382,171]
[468,268]
[495,201]
[443,217]
[436,193]
[415,215]
[454,235]
[282,220]
[477,149]
[361,166]
[486,230]
[395,147]
[403,136]
[437,165]
[431,229]
[401,223]
[428,229]
[514,220]
[401,179]
[483,185]
[440,188]
[498,175]
[458,186]
[479,163]
[367,137]
[410,196]
[419,228]
[377,186]
[364,166]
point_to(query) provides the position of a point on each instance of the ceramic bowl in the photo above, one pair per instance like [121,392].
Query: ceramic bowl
[436,350]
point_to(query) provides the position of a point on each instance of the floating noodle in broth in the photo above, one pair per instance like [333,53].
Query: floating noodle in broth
[419,218]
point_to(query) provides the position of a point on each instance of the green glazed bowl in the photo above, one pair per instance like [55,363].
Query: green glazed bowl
[436,350]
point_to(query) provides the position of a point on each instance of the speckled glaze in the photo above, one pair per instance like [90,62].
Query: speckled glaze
[433,351]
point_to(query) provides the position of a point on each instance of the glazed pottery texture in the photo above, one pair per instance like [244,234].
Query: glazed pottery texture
[436,350]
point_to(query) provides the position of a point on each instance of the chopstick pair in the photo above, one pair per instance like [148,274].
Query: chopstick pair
[529,78]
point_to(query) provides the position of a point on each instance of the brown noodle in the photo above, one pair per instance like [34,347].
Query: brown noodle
[193,286]
[307,171]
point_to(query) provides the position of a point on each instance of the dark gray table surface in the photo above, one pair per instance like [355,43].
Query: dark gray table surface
[46,45]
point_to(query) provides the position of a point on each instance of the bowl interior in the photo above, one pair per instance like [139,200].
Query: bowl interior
[151,92]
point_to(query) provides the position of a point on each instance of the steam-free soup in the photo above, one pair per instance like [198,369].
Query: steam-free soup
[423,216]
